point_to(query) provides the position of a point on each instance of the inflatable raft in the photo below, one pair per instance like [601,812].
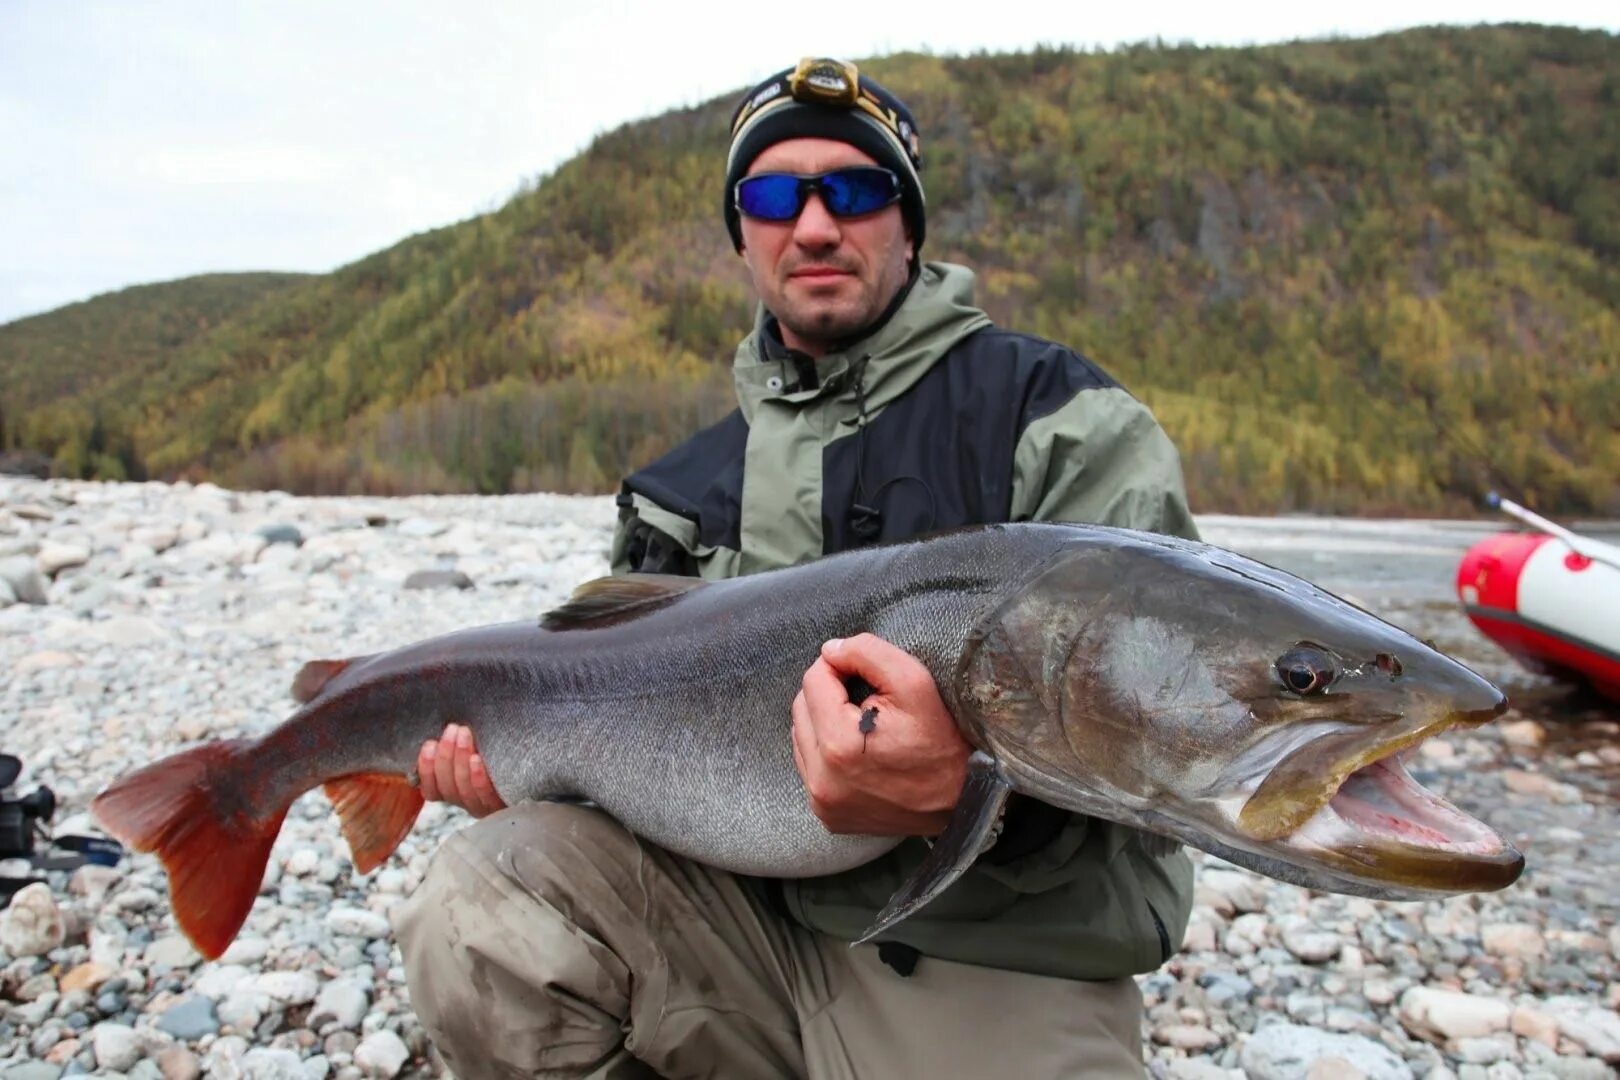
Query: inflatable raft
[1552,601]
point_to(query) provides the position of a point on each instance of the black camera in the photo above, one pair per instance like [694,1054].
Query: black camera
[22,819]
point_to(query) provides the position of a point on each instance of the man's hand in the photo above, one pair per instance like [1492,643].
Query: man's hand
[452,771]
[904,775]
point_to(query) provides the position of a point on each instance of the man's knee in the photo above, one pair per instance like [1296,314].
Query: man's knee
[492,947]
[548,850]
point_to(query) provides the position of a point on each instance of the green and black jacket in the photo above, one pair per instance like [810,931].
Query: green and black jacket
[934,420]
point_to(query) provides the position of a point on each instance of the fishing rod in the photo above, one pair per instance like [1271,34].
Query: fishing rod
[1586,547]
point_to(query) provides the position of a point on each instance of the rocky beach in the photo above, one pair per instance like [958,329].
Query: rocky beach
[138,619]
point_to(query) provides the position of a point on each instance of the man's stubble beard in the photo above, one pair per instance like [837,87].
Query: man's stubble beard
[827,326]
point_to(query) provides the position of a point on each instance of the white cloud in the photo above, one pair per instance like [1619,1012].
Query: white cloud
[239,163]
[151,141]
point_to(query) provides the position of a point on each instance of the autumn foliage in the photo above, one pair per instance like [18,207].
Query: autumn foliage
[1374,275]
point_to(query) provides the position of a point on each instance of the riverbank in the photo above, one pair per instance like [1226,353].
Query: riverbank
[174,613]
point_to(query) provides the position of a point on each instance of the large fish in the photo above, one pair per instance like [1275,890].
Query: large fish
[1165,684]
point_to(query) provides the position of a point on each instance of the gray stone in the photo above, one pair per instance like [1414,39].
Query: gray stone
[117,1047]
[224,1059]
[356,922]
[280,534]
[54,558]
[263,1063]
[342,1002]
[1223,988]
[190,1019]
[1287,1051]
[1589,1025]
[31,1070]
[438,579]
[1309,944]
[1568,1068]
[417,528]
[170,952]
[21,573]
[246,950]
[381,1055]
[286,987]
[221,980]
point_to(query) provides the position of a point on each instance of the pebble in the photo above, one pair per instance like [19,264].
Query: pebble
[1309,944]
[382,1054]
[24,582]
[87,976]
[172,951]
[1433,1013]
[32,924]
[357,922]
[286,987]
[116,1046]
[1287,1051]
[263,1063]
[194,606]
[438,579]
[341,1003]
[190,1019]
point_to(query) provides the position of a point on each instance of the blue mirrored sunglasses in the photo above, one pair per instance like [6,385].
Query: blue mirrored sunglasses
[850,192]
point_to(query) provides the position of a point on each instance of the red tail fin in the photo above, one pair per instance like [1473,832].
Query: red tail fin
[377,810]
[187,810]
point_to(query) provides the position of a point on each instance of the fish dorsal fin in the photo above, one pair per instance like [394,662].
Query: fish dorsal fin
[609,600]
[314,676]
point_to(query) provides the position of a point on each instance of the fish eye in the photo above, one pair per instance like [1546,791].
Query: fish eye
[1305,670]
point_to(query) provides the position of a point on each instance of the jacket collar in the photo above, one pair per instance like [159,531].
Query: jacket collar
[933,312]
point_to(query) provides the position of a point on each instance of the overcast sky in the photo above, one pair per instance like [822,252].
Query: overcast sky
[145,141]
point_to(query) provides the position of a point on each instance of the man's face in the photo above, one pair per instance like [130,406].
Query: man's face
[824,278]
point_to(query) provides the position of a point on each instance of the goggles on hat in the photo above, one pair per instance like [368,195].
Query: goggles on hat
[837,83]
[847,192]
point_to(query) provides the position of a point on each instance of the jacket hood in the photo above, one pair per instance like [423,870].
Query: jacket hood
[936,313]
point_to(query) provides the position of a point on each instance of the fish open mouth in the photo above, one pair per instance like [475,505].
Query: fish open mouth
[1382,827]
[1383,802]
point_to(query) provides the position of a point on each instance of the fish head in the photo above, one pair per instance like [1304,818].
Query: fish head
[1197,693]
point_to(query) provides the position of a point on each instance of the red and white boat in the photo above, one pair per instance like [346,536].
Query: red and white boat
[1550,598]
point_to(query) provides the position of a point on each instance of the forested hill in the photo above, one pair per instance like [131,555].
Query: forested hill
[1376,275]
[67,358]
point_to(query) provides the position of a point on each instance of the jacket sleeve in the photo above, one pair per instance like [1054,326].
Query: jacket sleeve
[650,540]
[1101,458]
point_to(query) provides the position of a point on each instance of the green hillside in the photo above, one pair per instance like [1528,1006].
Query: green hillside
[56,369]
[1363,275]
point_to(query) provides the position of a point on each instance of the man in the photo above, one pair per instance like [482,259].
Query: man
[876,403]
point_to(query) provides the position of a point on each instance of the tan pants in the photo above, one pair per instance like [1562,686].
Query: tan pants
[548,941]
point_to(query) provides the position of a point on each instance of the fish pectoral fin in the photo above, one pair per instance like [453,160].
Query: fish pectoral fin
[377,811]
[608,600]
[983,796]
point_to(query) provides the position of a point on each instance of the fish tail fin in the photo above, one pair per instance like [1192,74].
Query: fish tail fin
[185,810]
[377,811]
